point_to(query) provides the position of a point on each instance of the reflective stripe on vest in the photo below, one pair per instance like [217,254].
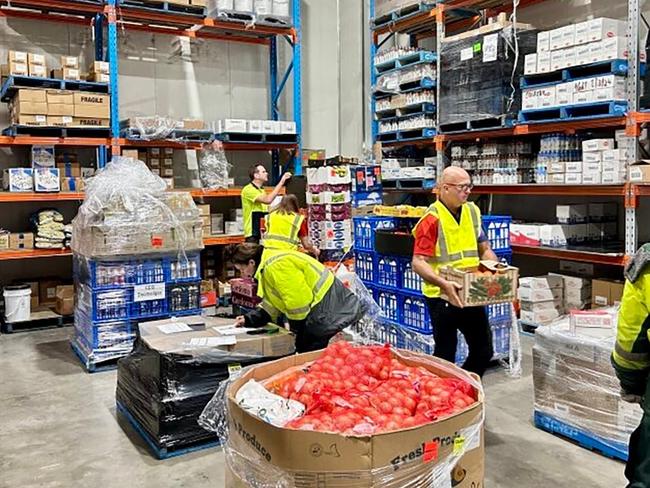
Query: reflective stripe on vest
[631,356]
[281,233]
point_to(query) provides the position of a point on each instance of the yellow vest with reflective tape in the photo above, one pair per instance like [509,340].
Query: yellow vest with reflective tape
[291,283]
[457,244]
[282,231]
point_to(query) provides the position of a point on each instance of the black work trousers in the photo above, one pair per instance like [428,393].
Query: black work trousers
[472,322]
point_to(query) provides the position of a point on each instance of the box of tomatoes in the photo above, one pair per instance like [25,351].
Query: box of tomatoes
[374,416]
[487,284]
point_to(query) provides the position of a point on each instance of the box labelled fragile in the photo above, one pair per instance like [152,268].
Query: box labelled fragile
[487,284]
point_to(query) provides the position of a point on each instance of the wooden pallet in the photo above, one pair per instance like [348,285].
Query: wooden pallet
[42,318]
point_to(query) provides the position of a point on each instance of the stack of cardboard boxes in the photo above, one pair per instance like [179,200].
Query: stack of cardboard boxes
[20,63]
[577,292]
[593,41]
[60,108]
[213,224]
[541,298]
[235,226]
[577,224]
[605,293]
[243,126]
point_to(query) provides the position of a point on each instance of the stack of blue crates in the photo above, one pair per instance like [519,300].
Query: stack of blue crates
[397,289]
[114,295]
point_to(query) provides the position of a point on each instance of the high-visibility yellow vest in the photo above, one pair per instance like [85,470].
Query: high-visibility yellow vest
[291,283]
[631,352]
[457,244]
[282,231]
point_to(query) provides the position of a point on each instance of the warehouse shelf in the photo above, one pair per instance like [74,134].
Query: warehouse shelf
[607,258]
[223,240]
[555,190]
[6,197]
[228,146]
[10,255]
[52,141]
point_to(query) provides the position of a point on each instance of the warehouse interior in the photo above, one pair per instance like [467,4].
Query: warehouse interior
[473,166]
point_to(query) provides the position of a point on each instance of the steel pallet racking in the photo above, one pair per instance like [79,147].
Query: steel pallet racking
[458,15]
[109,14]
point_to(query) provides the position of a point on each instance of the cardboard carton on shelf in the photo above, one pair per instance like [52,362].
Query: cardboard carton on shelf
[64,295]
[17,57]
[491,283]
[59,121]
[70,62]
[547,282]
[92,105]
[99,77]
[33,120]
[639,172]
[47,291]
[33,285]
[90,122]
[606,292]
[18,180]
[100,67]
[15,69]
[37,70]
[47,180]
[72,184]
[21,240]
[4,239]
[72,74]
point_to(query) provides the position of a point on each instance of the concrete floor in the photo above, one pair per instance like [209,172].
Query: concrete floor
[58,429]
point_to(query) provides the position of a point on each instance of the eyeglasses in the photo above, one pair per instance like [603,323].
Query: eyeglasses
[463,187]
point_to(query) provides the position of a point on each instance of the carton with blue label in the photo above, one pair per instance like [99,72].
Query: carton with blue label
[46,180]
[18,179]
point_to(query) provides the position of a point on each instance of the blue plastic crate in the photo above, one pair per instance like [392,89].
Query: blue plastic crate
[148,309]
[147,272]
[364,230]
[100,275]
[364,265]
[409,279]
[389,333]
[387,271]
[184,270]
[414,314]
[497,228]
[103,335]
[388,302]
[499,312]
[104,305]
[418,342]
[184,297]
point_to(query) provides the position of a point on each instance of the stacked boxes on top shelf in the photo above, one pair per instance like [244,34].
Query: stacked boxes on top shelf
[329,202]
[405,95]
[409,173]
[578,71]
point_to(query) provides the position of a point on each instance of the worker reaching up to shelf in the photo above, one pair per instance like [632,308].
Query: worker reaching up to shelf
[286,228]
[450,234]
[255,200]
[631,361]
[293,284]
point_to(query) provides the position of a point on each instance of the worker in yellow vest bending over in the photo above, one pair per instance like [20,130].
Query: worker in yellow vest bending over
[450,234]
[293,284]
[255,201]
[287,229]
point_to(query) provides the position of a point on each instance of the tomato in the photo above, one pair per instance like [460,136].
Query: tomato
[386,407]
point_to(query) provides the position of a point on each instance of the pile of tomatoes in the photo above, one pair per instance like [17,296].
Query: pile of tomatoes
[364,390]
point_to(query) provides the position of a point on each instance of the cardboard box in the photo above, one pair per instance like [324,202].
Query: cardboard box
[72,74]
[287,127]
[60,110]
[541,316]
[59,121]
[542,306]
[527,294]
[543,41]
[556,179]
[597,145]
[72,184]
[564,93]
[592,178]
[69,169]
[131,153]
[546,282]
[483,288]
[530,64]
[583,55]
[555,39]
[167,172]
[193,124]
[23,107]
[568,35]
[216,224]
[573,178]
[101,67]
[544,62]
[615,155]
[168,162]
[612,177]
[90,122]
[70,62]
[16,69]
[556,167]
[571,213]
[204,210]
[232,125]
[357,458]
[582,33]
[604,28]
[46,180]
[4,239]
[639,172]
[33,120]
[59,97]
[18,57]
[573,166]
[557,60]
[552,235]
[64,300]
[47,291]
[18,180]
[268,127]
[21,240]
[606,292]
[37,70]
[99,77]
[92,105]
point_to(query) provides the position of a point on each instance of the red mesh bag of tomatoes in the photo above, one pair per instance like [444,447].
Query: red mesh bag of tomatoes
[364,390]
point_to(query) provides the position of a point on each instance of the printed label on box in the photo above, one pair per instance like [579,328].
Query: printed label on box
[153,291]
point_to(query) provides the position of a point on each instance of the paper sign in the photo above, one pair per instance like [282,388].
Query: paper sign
[490,47]
[233,330]
[174,328]
[466,54]
[153,291]
[233,370]
[212,341]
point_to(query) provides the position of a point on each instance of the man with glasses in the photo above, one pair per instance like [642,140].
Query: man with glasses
[450,234]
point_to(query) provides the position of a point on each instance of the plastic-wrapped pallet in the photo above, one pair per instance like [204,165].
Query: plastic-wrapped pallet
[482,75]
[136,257]
[174,370]
[575,384]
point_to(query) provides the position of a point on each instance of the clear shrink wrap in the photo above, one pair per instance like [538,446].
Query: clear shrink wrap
[214,168]
[127,211]
[575,382]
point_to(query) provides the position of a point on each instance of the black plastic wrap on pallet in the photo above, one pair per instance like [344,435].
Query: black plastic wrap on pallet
[472,89]
[166,392]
